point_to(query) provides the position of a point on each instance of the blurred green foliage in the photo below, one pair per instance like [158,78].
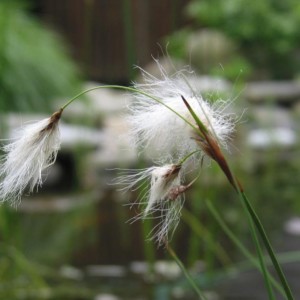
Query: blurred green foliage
[209,52]
[35,247]
[272,186]
[34,66]
[267,32]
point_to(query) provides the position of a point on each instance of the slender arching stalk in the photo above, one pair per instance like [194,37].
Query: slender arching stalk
[129,89]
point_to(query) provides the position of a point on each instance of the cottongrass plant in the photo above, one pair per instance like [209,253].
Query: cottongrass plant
[172,118]
[168,128]
[169,116]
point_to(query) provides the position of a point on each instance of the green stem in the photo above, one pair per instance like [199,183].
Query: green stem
[259,253]
[215,153]
[268,246]
[200,230]
[134,90]
[186,273]
[183,160]
[239,245]
[254,221]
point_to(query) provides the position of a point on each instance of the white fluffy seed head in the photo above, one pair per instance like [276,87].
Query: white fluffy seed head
[156,127]
[162,124]
[34,149]
[157,184]
[163,179]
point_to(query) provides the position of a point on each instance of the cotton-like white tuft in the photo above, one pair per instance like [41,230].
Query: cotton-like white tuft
[155,126]
[168,214]
[156,184]
[34,149]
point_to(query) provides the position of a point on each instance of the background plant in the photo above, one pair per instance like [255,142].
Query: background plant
[265,34]
[34,66]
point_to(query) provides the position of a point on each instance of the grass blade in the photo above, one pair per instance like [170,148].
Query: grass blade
[186,273]
[239,245]
[268,246]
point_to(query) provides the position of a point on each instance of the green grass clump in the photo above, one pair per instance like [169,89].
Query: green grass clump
[34,66]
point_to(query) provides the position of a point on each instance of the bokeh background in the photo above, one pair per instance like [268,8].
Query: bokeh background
[71,239]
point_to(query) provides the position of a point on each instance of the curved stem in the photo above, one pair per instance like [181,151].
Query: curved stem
[183,160]
[134,90]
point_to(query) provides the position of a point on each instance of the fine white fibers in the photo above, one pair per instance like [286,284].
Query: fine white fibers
[169,213]
[155,126]
[161,123]
[163,179]
[26,157]
[157,184]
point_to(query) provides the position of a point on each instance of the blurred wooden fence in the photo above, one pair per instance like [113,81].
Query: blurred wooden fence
[108,37]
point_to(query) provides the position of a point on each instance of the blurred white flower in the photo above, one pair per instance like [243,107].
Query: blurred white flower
[27,156]
[161,197]
[155,126]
